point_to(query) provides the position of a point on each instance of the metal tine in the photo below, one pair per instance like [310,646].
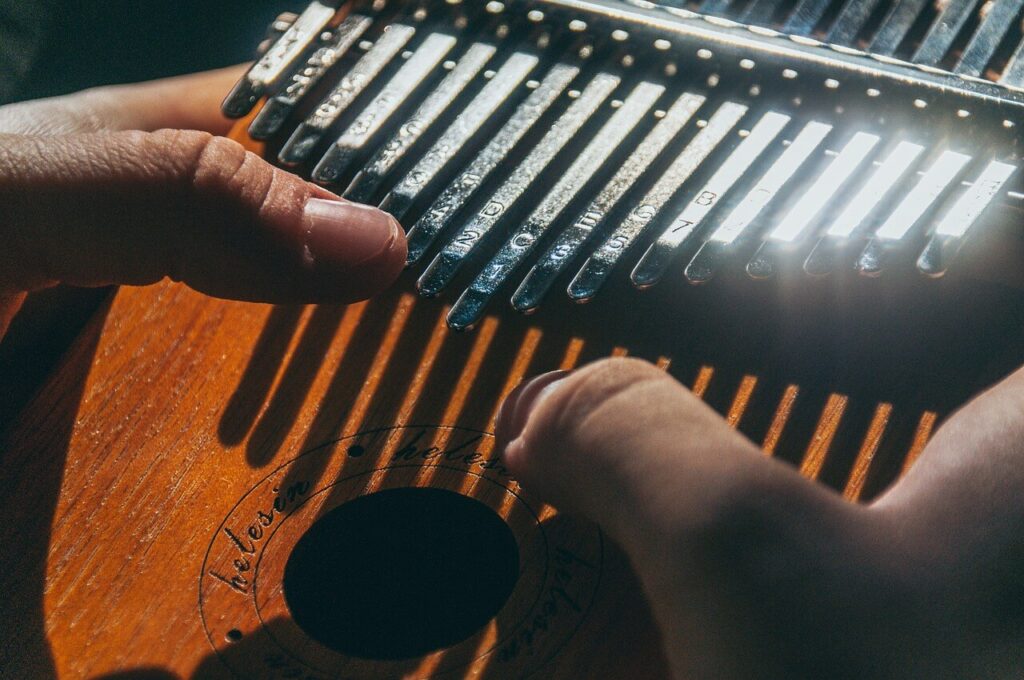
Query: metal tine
[882,183]
[458,191]
[911,209]
[806,16]
[896,25]
[601,262]
[441,271]
[277,60]
[630,113]
[985,41]
[369,178]
[538,281]
[423,61]
[281,23]
[953,229]
[468,124]
[943,32]
[1013,74]
[761,12]
[717,7]
[717,248]
[277,109]
[306,136]
[851,21]
[809,207]
[659,255]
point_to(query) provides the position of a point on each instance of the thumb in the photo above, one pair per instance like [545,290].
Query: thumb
[134,207]
[624,444]
[711,526]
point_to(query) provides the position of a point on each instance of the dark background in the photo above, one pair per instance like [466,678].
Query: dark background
[59,47]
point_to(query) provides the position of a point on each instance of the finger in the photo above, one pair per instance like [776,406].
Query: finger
[966,487]
[189,102]
[134,207]
[623,443]
[713,528]
[709,524]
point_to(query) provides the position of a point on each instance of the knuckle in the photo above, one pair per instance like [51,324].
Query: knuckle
[605,393]
[224,171]
[214,161]
[176,154]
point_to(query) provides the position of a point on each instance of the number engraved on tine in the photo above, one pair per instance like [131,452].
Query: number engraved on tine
[596,269]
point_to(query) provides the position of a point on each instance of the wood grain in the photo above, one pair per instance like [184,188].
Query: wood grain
[174,406]
[137,498]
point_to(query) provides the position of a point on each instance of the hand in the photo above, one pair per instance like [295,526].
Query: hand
[105,187]
[754,572]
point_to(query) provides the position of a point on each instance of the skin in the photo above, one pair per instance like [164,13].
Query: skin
[751,571]
[131,184]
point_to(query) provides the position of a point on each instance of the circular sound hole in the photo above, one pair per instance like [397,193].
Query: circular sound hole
[400,573]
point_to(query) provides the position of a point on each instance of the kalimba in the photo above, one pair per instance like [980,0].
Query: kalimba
[806,210]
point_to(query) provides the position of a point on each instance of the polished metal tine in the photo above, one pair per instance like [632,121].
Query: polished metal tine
[277,109]
[910,210]
[851,21]
[824,188]
[883,181]
[521,243]
[718,7]
[600,264]
[420,64]
[306,136]
[821,261]
[440,272]
[806,16]
[949,235]
[795,225]
[704,265]
[760,12]
[659,255]
[277,60]
[369,178]
[1013,74]
[467,125]
[540,278]
[943,32]
[455,195]
[281,23]
[986,39]
[895,26]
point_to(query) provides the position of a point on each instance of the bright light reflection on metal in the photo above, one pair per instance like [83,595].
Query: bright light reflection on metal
[824,188]
[766,130]
[875,189]
[772,182]
[934,182]
[967,209]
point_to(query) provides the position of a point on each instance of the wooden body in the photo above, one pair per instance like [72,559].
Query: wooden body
[231,392]
[173,409]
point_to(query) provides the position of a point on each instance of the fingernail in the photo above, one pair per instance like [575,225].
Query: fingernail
[520,402]
[344,234]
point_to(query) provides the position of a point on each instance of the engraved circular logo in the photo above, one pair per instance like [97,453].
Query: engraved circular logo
[243,594]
